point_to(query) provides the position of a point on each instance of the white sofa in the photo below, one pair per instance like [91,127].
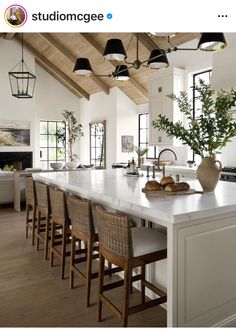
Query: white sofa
[7,187]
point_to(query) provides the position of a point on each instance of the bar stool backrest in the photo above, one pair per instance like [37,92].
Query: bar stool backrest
[42,195]
[114,233]
[30,190]
[80,213]
[58,205]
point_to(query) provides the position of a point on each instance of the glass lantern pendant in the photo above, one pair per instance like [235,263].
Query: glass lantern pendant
[22,80]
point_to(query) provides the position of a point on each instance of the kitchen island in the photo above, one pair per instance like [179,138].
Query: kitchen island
[201,232]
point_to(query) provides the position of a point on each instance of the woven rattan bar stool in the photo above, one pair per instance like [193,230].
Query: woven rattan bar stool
[83,229]
[31,204]
[128,248]
[60,220]
[43,209]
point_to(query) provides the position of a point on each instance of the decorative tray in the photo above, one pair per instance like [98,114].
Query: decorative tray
[163,193]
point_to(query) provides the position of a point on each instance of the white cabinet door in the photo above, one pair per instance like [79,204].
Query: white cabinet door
[207,273]
[159,106]
[169,81]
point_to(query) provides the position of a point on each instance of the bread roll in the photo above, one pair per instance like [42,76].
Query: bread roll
[177,187]
[166,180]
[152,185]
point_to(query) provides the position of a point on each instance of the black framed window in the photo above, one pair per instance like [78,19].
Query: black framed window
[52,147]
[143,136]
[98,144]
[205,76]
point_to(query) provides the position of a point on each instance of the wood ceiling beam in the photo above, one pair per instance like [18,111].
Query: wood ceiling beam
[162,42]
[139,88]
[72,59]
[8,36]
[57,72]
[146,42]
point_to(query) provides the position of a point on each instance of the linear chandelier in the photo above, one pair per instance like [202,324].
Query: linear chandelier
[115,51]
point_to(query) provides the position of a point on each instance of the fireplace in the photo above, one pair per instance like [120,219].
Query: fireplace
[19,160]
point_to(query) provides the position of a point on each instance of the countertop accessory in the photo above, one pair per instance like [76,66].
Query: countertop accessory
[164,193]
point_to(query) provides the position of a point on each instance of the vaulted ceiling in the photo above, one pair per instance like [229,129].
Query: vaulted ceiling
[57,53]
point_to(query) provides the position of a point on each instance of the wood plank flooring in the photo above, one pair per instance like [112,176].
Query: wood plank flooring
[33,295]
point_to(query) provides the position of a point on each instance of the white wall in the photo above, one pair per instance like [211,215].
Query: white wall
[12,108]
[49,100]
[120,114]
[127,124]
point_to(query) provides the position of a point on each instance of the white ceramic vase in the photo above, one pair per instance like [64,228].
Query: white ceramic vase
[208,173]
[72,165]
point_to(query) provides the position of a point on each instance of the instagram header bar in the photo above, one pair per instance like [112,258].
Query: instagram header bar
[117,16]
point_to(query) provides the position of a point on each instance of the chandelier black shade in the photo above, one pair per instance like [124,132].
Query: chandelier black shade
[121,73]
[158,59]
[22,80]
[114,50]
[212,42]
[82,67]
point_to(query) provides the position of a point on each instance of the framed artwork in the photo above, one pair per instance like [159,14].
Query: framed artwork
[14,133]
[127,144]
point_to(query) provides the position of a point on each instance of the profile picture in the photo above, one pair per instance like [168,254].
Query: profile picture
[15,16]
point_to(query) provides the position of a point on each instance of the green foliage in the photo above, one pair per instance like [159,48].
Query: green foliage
[141,151]
[9,168]
[211,131]
[74,133]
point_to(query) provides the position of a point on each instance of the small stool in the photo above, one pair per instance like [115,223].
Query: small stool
[128,248]
[43,208]
[83,229]
[60,219]
[31,204]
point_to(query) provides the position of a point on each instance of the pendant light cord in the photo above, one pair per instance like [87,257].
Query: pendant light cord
[22,46]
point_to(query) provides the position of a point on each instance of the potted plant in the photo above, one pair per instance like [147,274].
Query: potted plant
[74,132]
[206,134]
[141,152]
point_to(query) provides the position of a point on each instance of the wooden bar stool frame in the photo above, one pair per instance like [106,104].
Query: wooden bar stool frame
[59,219]
[116,246]
[31,204]
[43,208]
[80,213]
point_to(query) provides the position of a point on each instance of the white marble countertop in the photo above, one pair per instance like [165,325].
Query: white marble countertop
[124,193]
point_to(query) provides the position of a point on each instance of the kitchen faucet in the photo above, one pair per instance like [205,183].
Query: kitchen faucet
[158,158]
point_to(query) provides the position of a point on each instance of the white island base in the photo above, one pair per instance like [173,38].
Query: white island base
[201,235]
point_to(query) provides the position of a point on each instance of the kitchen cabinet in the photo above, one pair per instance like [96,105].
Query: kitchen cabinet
[199,272]
[165,82]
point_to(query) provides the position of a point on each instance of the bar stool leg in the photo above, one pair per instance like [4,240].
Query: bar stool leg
[89,270]
[46,236]
[33,223]
[73,241]
[52,243]
[63,253]
[142,283]
[100,286]
[127,284]
[27,221]
[38,229]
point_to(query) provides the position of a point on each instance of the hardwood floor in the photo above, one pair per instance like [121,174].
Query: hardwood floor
[33,295]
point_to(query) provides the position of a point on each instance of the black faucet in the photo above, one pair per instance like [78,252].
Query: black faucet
[159,155]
